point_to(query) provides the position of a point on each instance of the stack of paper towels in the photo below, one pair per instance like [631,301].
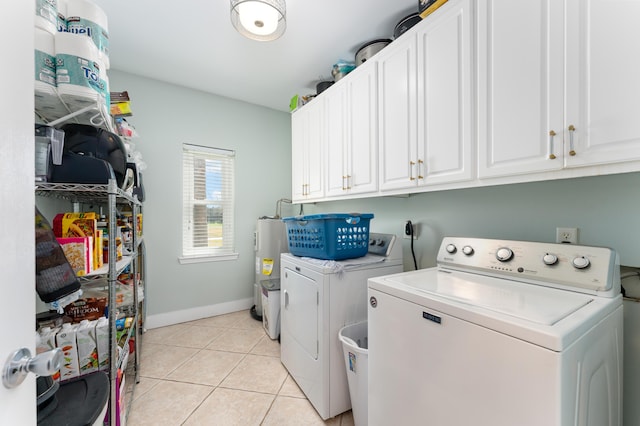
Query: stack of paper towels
[71,57]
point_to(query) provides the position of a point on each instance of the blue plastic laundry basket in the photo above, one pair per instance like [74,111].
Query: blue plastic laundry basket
[332,236]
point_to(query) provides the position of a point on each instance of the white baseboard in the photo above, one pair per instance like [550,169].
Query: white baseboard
[176,317]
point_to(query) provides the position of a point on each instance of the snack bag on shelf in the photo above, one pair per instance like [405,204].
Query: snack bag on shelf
[66,225]
[78,252]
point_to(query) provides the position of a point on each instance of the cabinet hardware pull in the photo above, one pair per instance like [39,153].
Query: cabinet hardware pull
[552,156]
[344,187]
[572,130]
[411,164]
[420,167]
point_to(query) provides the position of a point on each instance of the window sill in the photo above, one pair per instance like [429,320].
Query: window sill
[207,258]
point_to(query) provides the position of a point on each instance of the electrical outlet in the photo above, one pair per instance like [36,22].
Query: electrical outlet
[408,227]
[567,235]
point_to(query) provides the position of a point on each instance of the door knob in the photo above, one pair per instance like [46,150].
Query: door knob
[20,363]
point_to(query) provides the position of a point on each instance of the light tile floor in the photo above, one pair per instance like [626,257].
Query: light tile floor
[222,370]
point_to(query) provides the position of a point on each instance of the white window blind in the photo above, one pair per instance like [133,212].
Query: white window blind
[208,200]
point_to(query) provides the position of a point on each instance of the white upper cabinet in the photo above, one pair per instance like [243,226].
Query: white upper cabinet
[558,84]
[520,93]
[352,137]
[397,81]
[425,88]
[602,82]
[307,152]
[445,78]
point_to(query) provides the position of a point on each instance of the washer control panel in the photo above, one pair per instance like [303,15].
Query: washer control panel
[381,244]
[579,268]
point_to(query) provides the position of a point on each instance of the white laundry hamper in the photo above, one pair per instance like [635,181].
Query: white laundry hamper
[355,345]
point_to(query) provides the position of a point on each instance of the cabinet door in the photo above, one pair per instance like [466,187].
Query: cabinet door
[335,104]
[444,96]
[398,113]
[603,82]
[362,150]
[306,152]
[315,150]
[520,86]
[298,125]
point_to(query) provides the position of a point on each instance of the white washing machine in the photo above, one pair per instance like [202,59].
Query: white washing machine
[500,333]
[318,298]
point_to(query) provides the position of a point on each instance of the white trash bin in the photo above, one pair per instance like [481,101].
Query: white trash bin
[355,345]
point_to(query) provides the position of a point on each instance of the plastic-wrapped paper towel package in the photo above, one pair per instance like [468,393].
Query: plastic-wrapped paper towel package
[71,57]
[45,75]
[86,18]
[79,71]
[47,15]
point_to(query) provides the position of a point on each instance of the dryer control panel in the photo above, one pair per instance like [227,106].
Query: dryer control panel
[592,270]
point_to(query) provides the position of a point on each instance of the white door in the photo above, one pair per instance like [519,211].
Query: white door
[362,152]
[306,152]
[520,87]
[445,68]
[17,252]
[397,107]
[603,83]
[335,104]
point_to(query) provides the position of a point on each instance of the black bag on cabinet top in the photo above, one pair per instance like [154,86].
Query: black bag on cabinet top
[90,144]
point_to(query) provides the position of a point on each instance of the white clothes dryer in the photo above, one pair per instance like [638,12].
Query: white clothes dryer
[318,298]
[500,333]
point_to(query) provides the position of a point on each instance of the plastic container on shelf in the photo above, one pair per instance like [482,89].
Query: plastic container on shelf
[331,236]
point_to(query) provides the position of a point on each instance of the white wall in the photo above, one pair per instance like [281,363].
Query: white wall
[165,116]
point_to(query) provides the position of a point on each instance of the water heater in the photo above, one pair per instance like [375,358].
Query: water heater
[270,239]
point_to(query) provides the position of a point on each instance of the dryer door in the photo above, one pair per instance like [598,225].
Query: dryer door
[300,310]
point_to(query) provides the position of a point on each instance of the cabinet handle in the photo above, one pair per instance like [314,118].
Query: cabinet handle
[348,181]
[411,164]
[420,167]
[572,130]
[552,156]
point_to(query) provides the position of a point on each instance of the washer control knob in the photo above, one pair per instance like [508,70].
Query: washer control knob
[372,242]
[468,250]
[451,248]
[581,262]
[504,254]
[380,243]
[550,259]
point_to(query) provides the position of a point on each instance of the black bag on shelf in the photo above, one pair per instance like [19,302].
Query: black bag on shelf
[78,168]
[89,153]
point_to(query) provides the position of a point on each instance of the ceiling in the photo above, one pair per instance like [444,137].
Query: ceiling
[193,44]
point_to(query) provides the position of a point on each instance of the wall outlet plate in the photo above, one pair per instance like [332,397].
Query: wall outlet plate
[567,235]
[415,231]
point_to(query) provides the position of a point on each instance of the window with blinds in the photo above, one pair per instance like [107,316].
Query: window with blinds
[208,199]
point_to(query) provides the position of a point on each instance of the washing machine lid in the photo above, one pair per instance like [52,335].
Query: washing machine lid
[532,303]
[545,316]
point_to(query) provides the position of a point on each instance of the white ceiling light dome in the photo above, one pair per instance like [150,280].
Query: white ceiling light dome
[261,20]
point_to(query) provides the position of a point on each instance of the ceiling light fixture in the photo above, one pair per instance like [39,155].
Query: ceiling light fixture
[261,20]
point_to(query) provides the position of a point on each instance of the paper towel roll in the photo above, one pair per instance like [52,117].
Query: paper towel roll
[86,18]
[46,15]
[45,57]
[61,22]
[78,70]
[46,99]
